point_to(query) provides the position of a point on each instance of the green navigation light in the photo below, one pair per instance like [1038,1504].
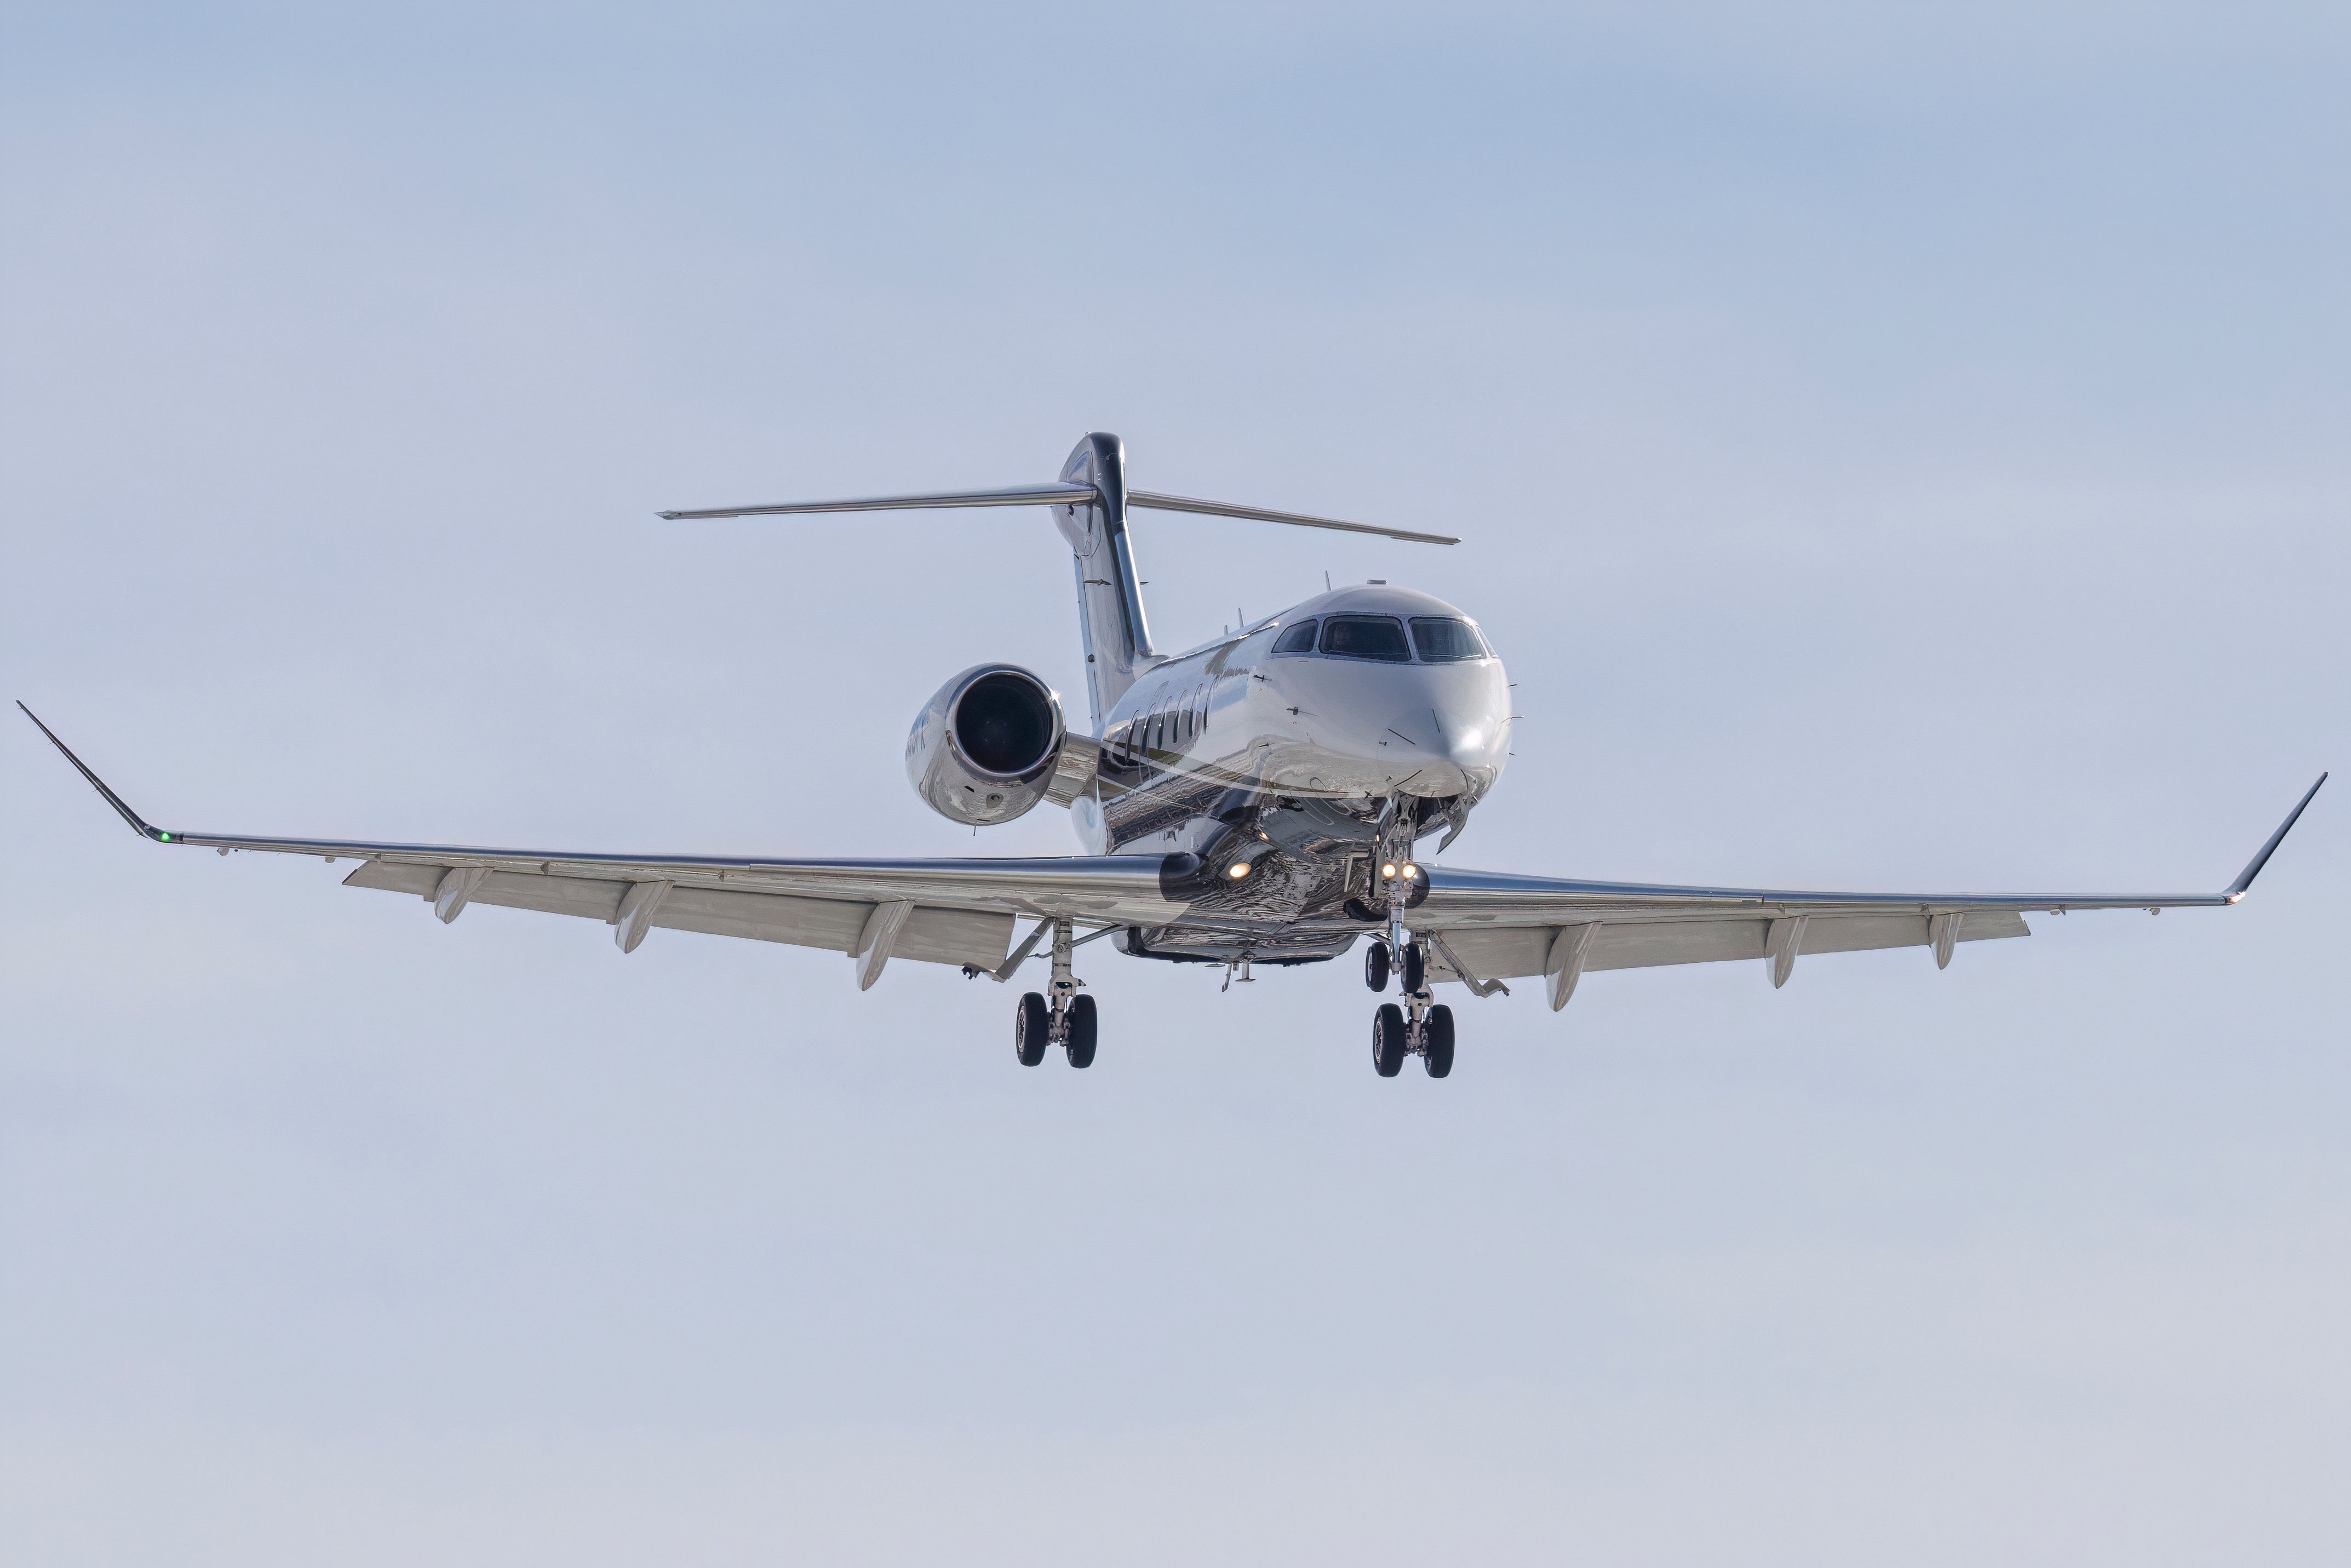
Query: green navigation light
[165,836]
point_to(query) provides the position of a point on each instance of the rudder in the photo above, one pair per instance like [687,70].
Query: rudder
[1111,621]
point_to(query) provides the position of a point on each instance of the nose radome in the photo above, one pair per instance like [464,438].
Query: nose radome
[1468,738]
[1452,743]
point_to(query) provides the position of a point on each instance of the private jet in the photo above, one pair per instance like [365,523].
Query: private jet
[1257,801]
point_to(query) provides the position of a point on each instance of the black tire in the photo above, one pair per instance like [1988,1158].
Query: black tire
[1414,967]
[1437,1041]
[1375,966]
[1080,1043]
[1388,1040]
[1031,1021]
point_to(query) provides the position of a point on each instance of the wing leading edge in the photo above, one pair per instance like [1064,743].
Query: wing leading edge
[1494,925]
[947,911]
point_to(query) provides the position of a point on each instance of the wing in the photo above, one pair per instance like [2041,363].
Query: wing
[1487,927]
[938,911]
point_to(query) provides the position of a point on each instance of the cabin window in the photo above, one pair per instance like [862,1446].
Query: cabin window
[1442,640]
[1299,639]
[1366,637]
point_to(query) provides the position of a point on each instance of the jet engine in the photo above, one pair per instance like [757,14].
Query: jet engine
[983,750]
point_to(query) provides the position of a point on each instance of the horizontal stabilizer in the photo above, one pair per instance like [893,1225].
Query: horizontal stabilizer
[1060,492]
[1052,494]
[1159,503]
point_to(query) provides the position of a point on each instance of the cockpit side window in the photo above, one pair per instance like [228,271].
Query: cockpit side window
[1366,637]
[1442,640]
[1299,639]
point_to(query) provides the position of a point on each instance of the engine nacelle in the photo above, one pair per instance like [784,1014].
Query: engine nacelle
[983,750]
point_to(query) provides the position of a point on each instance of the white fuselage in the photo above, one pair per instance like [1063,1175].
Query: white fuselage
[1310,724]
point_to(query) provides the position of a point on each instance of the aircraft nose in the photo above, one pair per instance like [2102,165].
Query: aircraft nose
[1472,742]
[1456,745]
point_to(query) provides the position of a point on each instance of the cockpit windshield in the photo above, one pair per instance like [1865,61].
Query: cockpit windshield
[1442,640]
[1366,637]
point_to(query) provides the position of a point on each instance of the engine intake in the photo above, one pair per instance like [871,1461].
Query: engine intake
[983,750]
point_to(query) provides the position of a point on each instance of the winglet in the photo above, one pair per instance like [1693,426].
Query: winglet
[113,799]
[2237,889]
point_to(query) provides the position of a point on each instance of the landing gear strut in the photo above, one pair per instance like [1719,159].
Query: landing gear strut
[1422,1026]
[1064,1018]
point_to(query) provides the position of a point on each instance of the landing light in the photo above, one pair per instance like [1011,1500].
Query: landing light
[1410,871]
[1387,871]
[1241,869]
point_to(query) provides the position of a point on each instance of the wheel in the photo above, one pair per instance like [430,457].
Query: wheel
[1388,1040]
[1080,1043]
[1030,1020]
[1375,965]
[1415,968]
[1437,1041]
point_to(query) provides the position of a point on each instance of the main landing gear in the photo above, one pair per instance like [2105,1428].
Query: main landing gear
[1420,1027]
[1380,960]
[1067,1020]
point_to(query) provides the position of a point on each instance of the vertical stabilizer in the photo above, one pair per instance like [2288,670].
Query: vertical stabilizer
[1089,503]
[1109,595]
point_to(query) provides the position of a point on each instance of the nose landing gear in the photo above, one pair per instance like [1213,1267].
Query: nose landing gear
[1422,1026]
[1067,1020]
[1436,1040]
[1419,1028]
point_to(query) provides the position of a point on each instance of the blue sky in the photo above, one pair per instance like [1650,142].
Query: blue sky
[1893,448]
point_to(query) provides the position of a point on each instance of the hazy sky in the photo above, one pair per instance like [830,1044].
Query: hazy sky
[1896,448]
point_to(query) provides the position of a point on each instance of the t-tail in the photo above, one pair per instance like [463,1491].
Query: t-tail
[1091,504]
[1111,621]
